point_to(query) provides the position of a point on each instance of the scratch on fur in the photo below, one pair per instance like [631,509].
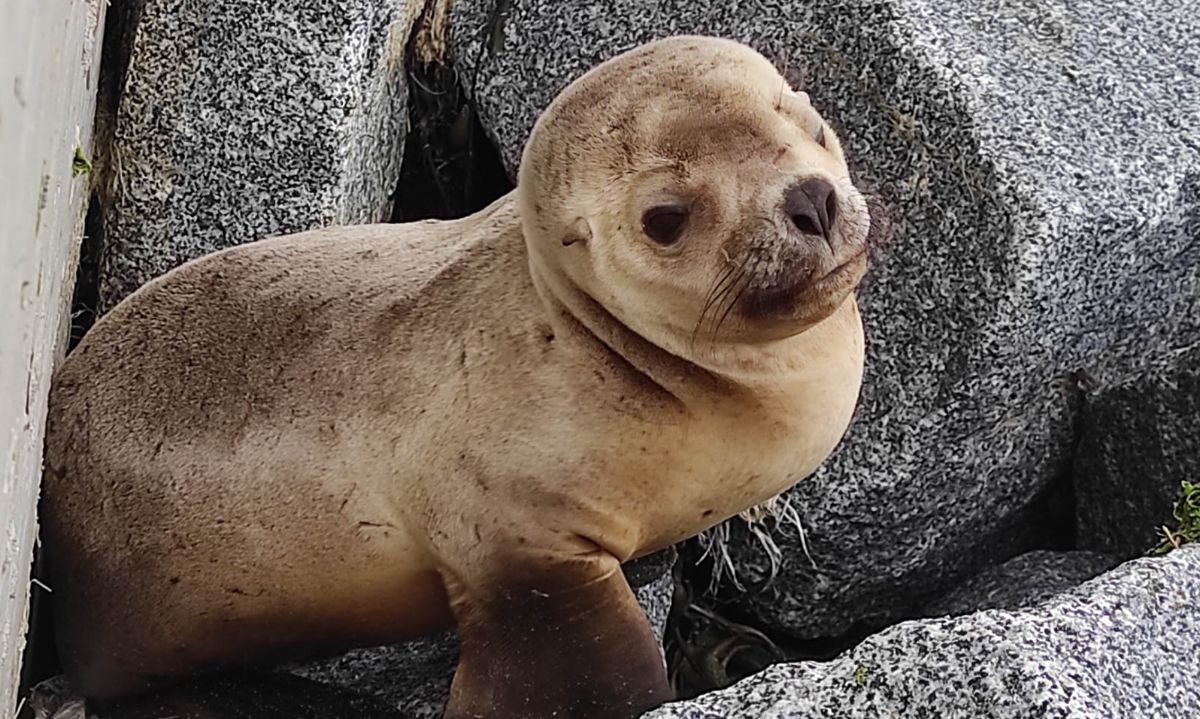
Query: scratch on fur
[346,499]
[239,432]
[466,373]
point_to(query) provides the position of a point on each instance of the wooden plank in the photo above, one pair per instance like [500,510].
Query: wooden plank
[49,58]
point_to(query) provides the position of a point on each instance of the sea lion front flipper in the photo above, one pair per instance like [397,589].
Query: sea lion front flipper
[567,642]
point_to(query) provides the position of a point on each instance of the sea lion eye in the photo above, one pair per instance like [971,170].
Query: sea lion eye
[665,223]
[820,138]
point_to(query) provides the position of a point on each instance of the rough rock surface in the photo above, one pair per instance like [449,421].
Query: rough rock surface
[243,120]
[1141,440]
[1043,158]
[1119,646]
[415,677]
[252,695]
[1022,581]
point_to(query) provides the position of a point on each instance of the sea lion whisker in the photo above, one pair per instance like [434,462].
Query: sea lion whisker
[720,286]
[731,281]
[717,285]
[714,291]
[742,287]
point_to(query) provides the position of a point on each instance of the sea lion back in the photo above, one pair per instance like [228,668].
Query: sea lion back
[228,402]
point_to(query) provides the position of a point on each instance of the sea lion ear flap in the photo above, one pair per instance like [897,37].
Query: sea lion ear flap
[578,231]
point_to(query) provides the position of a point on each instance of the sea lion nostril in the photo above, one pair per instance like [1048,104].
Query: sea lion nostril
[812,206]
[807,222]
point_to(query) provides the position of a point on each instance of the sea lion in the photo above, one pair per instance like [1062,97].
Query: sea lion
[357,435]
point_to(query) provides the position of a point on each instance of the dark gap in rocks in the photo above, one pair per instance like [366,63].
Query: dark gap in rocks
[1055,509]
[40,660]
[120,24]
[86,300]
[711,642]
[450,168]
[1060,504]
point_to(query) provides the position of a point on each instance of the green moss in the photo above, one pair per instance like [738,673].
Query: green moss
[860,675]
[80,165]
[1187,520]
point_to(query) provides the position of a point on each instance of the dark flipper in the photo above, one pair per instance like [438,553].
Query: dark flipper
[565,642]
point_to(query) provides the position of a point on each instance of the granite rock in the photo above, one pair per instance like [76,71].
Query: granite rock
[247,695]
[243,120]
[1022,581]
[656,598]
[1119,646]
[1140,442]
[1042,158]
[414,676]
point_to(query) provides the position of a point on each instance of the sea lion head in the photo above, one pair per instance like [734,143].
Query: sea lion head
[687,189]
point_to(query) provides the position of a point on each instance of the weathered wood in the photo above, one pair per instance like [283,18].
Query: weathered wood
[49,57]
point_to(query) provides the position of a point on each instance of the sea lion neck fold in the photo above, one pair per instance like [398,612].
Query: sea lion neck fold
[576,314]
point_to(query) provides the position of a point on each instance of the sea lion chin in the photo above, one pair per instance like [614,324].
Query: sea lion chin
[357,435]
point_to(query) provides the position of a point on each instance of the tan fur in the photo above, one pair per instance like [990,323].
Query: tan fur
[313,442]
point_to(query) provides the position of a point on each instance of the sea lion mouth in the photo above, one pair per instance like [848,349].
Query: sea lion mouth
[806,295]
[843,270]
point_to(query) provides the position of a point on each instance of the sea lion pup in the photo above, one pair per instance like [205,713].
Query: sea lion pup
[359,434]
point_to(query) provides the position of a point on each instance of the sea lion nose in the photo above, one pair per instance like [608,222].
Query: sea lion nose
[812,206]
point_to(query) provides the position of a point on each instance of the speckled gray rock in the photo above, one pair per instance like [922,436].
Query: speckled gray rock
[242,120]
[1043,157]
[1022,581]
[253,695]
[1120,646]
[415,676]
[656,599]
[1141,440]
